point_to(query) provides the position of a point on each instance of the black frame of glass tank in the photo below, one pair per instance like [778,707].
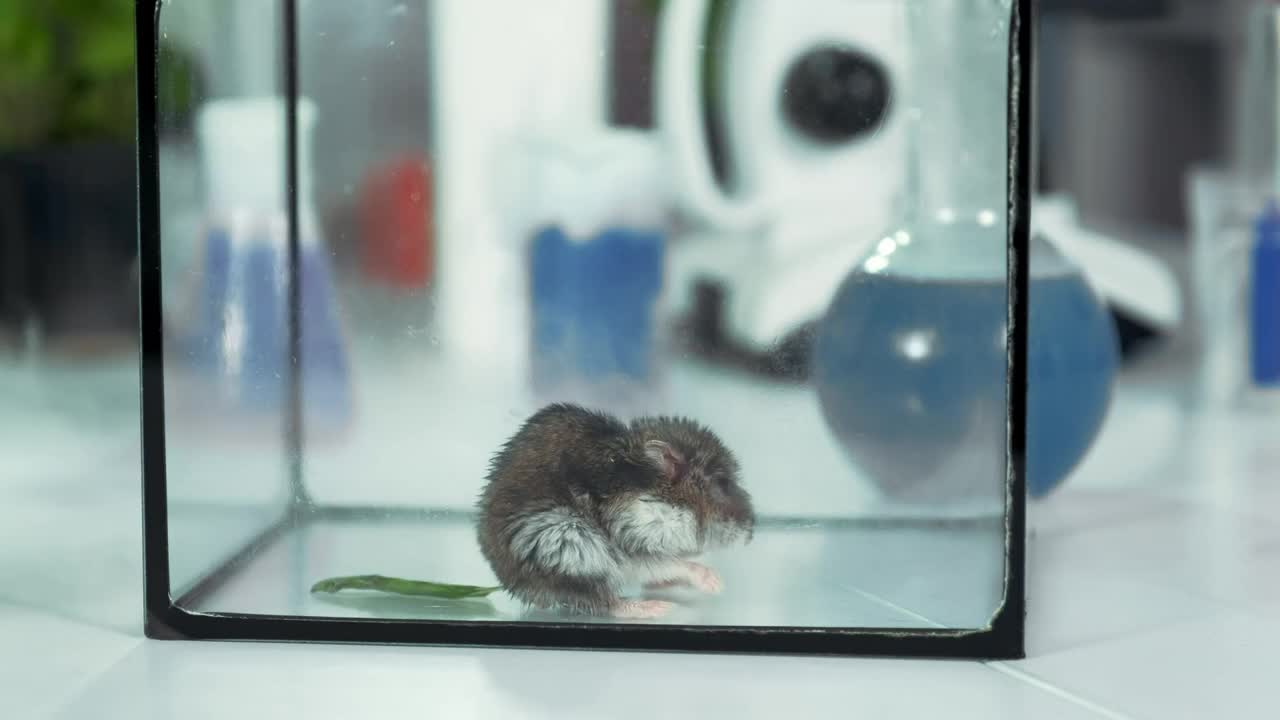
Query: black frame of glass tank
[166,618]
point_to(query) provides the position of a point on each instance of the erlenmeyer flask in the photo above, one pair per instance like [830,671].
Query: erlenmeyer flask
[237,342]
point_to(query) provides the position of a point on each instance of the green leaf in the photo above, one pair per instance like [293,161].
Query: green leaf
[400,586]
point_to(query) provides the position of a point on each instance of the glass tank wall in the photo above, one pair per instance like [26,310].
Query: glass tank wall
[783,220]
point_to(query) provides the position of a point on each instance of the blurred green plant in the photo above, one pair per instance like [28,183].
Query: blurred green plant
[30,90]
[67,72]
[99,63]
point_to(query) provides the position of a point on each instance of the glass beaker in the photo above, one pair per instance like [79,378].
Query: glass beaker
[594,224]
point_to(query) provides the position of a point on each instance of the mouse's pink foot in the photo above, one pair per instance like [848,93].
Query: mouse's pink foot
[686,573]
[640,609]
[704,578]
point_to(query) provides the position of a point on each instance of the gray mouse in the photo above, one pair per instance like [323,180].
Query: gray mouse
[578,503]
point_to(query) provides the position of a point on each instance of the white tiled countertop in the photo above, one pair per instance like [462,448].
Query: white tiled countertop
[1154,592]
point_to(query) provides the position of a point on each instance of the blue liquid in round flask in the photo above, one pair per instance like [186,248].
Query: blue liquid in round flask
[911,369]
[910,360]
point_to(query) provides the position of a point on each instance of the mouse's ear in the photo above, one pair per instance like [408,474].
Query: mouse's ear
[667,459]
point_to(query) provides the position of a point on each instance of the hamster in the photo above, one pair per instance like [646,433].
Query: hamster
[577,504]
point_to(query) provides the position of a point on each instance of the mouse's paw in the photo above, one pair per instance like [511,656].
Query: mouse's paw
[685,573]
[704,578]
[640,609]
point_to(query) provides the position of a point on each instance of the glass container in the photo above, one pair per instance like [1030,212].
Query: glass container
[392,156]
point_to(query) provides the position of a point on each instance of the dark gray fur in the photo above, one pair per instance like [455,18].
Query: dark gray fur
[592,465]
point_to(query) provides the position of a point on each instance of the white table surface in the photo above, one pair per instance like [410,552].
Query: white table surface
[1154,593]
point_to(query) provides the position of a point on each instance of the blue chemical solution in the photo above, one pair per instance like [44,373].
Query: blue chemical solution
[1264,301]
[326,372]
[260,365]
[592,308]
[911,376]
[240,337]
[200,340]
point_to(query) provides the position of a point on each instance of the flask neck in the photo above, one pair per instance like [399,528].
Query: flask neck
[959,108]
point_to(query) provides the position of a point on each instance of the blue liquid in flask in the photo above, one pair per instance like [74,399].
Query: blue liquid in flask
[240,338]
[911,376]
[593,311]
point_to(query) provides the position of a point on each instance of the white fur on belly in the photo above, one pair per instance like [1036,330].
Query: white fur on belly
[647,525]
[560,540]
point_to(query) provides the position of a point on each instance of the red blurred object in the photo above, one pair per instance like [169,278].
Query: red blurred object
[396,219]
